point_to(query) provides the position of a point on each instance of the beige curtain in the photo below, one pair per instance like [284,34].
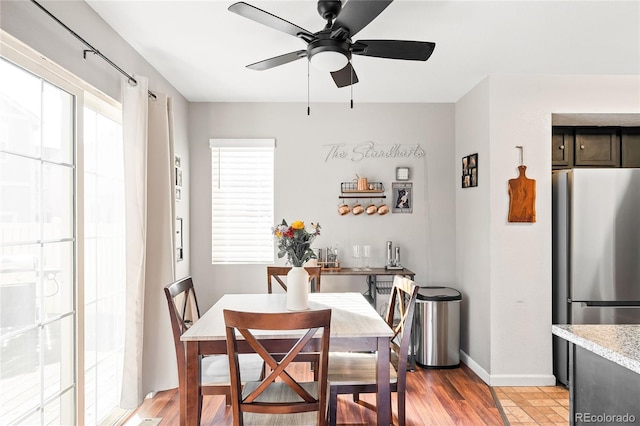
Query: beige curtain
[149,189]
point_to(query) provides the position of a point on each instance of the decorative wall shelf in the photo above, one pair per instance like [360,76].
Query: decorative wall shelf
[349,190]
[352,188]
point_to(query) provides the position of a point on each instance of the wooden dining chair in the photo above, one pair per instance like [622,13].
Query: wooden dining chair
[184,312]
[277,272]
[286,401]
[355,373]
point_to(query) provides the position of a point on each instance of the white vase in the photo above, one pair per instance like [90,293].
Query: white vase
[297,289]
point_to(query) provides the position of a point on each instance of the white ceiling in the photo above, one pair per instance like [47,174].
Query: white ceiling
[202,49]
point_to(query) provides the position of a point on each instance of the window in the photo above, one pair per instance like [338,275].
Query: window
[242,200]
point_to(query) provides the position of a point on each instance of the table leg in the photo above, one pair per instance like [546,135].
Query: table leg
[190,399]
[383,397]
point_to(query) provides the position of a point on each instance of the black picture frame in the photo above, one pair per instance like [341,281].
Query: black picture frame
[470,171]
[402,201]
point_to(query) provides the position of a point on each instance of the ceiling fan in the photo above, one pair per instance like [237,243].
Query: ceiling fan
[330,49]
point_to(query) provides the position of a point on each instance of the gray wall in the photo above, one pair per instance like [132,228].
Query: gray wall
[472,225]
[308,185]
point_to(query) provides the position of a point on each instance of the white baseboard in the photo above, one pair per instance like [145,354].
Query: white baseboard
[523,380]
[475,367]
[507,379]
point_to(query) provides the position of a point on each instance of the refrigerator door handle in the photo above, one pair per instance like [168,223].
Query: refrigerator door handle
[612,304]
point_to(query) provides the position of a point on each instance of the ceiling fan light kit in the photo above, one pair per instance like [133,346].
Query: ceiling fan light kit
[328,60]
[330,49]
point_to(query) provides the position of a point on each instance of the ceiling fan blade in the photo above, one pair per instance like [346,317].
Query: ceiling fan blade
[270,20]
[357,14]
[394,49]
[345,77]
[278,60]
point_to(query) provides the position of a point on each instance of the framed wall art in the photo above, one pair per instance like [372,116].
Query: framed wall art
[178,172]
[402,193]
[179,240]
[470,171]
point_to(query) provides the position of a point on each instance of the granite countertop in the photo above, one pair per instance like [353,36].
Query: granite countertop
[618,343]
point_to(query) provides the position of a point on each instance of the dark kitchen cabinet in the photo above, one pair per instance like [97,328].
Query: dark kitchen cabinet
[562,147]
[597,147]
[610,146]
[630,143]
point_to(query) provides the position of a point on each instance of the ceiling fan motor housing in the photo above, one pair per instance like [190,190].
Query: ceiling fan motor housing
[329,45]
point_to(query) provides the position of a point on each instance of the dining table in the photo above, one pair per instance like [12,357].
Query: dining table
[355,326]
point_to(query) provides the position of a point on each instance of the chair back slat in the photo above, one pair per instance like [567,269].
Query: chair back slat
[260,396]
[402,300]
[183,312]
[277,272]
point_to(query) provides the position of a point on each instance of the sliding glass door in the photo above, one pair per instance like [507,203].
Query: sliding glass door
[37,252]
[62,254]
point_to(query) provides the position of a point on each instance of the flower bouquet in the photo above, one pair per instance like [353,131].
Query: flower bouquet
[295,241]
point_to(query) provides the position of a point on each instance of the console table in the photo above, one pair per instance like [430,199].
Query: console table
[374,286]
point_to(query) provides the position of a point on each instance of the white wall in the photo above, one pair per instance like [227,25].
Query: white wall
[307,186]
[472,226]
[519,277]
[26,22]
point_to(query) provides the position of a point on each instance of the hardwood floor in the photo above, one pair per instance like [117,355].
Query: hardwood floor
[434,397]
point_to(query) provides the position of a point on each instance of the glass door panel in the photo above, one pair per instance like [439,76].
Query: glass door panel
[104,273]
[37,245]
[21,108]
[57,125]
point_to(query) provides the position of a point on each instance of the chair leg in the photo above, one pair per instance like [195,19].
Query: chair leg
[356,397]
[401,408]
[227,399]
[333,405]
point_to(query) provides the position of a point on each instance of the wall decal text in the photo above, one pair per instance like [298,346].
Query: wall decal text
[370,151]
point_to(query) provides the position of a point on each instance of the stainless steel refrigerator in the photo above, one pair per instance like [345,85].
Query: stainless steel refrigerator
[596,251]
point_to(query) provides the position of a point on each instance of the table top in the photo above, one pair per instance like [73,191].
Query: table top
[371,271]
[351,315]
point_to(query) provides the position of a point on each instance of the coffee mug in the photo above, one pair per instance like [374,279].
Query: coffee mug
[371,209]
[383,209]
[357,209]
[343,209]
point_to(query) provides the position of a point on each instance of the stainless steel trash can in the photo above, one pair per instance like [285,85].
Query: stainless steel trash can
[437,327]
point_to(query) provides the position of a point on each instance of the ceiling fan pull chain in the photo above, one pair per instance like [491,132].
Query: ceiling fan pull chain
[351,85]
[308,90]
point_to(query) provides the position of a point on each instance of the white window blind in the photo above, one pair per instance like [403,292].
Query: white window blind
[242,200]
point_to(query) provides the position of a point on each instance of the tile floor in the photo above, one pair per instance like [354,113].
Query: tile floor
[534,405]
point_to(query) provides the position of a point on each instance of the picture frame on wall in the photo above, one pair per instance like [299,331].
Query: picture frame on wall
[402,193]
[177,162]
[470,171]
[179,240]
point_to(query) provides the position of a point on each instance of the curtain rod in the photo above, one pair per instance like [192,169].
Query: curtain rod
[92,49]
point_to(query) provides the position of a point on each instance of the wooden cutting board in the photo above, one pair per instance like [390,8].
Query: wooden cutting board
[522,198]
